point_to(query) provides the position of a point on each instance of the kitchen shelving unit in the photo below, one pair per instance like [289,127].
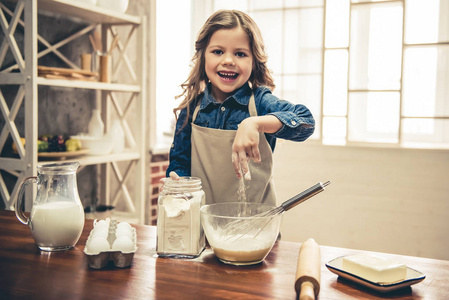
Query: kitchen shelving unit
[24,74]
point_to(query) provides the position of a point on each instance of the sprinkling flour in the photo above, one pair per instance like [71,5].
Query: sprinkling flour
[241,193]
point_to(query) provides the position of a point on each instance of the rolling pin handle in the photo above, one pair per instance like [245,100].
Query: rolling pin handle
[307,291]
[308,271]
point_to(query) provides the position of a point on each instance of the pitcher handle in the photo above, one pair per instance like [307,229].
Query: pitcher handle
[18,207]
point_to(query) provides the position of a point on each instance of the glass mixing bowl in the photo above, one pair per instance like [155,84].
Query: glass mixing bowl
[240,233]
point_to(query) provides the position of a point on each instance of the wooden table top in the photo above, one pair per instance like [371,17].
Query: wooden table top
[28,273]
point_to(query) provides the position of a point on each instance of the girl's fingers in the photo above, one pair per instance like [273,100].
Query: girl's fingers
[247,175]
[235,163]
[240,162]
[243,161]
[173,175]
[256,155]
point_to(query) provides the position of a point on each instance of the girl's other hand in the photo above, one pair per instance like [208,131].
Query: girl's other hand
[173,175]
[245,147]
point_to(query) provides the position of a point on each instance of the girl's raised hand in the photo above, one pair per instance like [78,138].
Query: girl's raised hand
[245,147]
[246,141]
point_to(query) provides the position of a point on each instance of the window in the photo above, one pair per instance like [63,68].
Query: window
[370,71]
[173,55]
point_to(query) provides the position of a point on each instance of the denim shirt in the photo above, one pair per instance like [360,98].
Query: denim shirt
[298,122]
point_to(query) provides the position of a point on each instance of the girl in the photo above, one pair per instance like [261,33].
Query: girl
[229,117]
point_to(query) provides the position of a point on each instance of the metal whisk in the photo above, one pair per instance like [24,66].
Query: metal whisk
[239,228]
[298,199]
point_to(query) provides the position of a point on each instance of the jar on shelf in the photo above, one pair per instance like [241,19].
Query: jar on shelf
[179,230]
[96,125]
[117,136]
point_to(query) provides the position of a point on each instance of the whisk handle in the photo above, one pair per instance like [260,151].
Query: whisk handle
[303,196]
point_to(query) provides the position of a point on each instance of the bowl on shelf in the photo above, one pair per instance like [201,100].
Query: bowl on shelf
[95,145]
[119,6]
[91,2]
[238,232]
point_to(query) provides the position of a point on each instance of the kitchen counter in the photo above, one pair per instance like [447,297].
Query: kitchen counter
[28,273]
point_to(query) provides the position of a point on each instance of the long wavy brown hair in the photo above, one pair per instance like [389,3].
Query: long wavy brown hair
[224,19]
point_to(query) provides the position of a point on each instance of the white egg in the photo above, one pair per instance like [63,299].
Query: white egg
[124,232]
[97,245]
[124,225]
[101,224]
[123,244]
[102,232]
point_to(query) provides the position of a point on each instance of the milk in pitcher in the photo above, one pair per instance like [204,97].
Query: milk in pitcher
[57,223]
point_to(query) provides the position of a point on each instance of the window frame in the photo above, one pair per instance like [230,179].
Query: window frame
[320,137]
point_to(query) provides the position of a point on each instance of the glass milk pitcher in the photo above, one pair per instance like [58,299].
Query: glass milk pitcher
[57,215]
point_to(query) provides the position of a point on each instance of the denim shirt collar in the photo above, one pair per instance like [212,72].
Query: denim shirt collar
[241,96]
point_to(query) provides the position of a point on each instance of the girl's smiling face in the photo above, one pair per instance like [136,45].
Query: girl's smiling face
[228,61]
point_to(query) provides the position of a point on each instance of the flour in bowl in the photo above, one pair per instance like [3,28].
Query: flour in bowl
[244,249]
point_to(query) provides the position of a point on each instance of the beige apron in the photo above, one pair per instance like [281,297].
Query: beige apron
[212,162]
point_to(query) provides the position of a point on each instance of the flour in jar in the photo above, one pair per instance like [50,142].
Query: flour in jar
[175,206]
[179,227]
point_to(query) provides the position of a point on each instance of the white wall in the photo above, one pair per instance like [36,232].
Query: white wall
[387,200]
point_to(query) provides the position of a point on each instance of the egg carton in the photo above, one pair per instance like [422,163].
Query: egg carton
[99,257]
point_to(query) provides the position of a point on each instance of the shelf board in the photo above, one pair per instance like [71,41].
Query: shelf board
[87,12]
[86,160]
[94,85]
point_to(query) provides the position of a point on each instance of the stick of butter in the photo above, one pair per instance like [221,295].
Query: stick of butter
[374,268]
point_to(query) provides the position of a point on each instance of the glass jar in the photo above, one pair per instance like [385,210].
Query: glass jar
[179,230]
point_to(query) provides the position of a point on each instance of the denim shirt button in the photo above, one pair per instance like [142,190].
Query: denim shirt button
[172,145]
[293,122]
[223,108]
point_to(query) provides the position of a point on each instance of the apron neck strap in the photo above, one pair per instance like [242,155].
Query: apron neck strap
[252,106]
[195,112]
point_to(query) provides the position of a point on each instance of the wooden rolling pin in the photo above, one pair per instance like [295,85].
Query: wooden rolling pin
[308,272]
